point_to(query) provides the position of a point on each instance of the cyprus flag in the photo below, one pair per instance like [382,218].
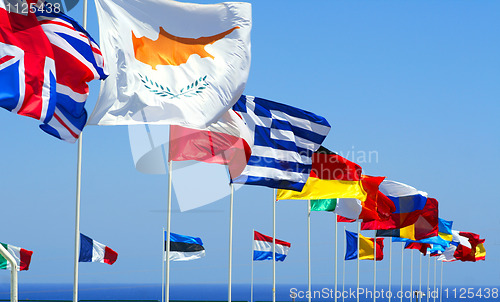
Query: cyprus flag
[171,62]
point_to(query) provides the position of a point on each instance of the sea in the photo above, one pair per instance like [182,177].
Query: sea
[240,292]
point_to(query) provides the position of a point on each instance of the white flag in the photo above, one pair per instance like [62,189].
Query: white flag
[171,62]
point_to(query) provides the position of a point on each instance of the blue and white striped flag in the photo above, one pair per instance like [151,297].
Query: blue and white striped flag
[285,138]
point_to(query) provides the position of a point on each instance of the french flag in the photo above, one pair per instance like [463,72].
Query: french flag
[263,247]
[93,251]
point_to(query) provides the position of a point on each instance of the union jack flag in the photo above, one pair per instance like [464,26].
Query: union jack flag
[46,59]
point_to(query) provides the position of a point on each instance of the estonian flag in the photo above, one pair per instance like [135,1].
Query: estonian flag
[184,248]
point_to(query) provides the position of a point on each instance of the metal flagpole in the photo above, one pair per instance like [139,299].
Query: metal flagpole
[359,231]
[343,269]
[230,243]
[13,273]
[78,191]
[420,276]
[428,278]
[336,262]
[435,275]
[77,214]
[390,267]
[163,265]
[441,289]
[251,289]
[402,264]
[411,275]
[374,267]
[309,249]
[274,245]
[169,212]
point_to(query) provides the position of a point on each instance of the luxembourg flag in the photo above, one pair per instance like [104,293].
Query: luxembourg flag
[263,247]
[93,251]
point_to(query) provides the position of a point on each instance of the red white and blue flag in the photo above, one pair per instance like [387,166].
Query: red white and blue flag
[46,60]
[263,247]
[93,251]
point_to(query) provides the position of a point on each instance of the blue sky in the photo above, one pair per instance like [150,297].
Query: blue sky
[414,82]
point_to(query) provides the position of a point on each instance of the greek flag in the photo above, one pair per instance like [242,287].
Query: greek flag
[284,140]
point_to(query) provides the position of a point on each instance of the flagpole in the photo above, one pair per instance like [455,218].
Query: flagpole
[420,276]
[230,242]
[163,266]
[309,249]
[441,290]
[390,267]
[374,267]
[251,288]
[77,214]
[343,269]
[169,211]
[274,245]
[402,264]
[336,261]
[359,231]
[13,273]
[78,190]
[411,275]
[435,276]
[428,277]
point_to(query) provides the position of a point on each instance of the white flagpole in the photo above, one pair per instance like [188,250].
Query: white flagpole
[169,211]
[441,290]
[163,265]
[390,266]
[435,276]
[77,216]
[428,278]
[251,289]
[309,249]
[420,276]
[402,264]
[359,231]
[336,262]
[374,267]
[411,274]
[274,245]
[13,273]
[343,268]
[78,191]
[230,243]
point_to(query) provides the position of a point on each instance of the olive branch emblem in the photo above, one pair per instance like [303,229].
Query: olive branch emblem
[190,90]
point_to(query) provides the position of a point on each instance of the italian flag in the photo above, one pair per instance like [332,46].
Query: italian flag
[22,256]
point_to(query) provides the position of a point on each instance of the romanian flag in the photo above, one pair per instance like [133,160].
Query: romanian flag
[366,247]
[425,226]
[332,176]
